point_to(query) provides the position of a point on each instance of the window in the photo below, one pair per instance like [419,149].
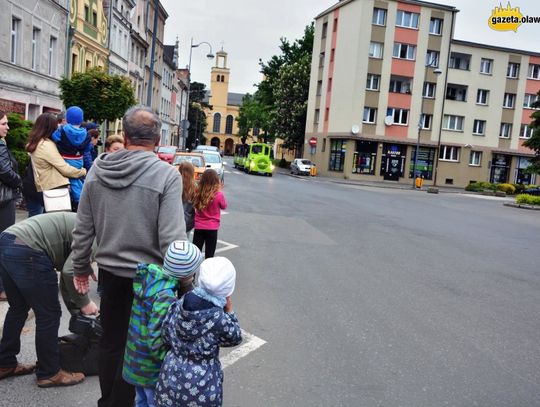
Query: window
[513,70]
[329,86]
[432,58]
[486,66]
[334,27]
[400,116]
[256,131]
[459,61]
[86,13]
[475,158]
[94,18]
[229,124]
[425,121]
[35,50]
[404,51]
[429,90]
[337,154]
[379,16]
[479,127]
[526,131]
[456,92]
[324,30]
[321,59]
[376,49]
[435,26]
[317,116]
[482,97]
[319,88]
[370,115]
[332,54]
[530,100]
[15,30]
[451,122]
[373,81]
[509,100]
[217,123]
[506,130]
[399,84]
[52,56]
[407,19]
[449,153]
[534,71]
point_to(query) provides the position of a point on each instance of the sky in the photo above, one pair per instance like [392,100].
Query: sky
[250,29]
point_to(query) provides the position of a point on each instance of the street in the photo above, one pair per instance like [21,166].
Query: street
[367,296]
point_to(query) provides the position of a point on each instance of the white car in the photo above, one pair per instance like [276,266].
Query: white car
[301,166]
[214,161]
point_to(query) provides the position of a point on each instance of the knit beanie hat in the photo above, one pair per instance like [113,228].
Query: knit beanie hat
[217,276]
[74,115]
[182,259]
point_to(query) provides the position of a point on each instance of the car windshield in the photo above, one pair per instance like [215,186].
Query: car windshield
[166,150]
[212,158]
[196,161]
[256,149]
[306,162]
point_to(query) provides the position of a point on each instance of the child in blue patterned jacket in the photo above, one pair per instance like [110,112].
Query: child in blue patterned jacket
[195,327]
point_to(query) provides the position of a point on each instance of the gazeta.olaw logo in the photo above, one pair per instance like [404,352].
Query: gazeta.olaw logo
[509,18]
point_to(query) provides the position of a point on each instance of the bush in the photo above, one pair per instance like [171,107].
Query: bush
[519,188]
[480,186]
[16,140]
[508,188]
[283,163]
[528,199]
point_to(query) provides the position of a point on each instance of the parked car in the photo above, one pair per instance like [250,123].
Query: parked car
[196,159]
[301,166]
[166,153]
[202,147]
[532,191]
[214,161]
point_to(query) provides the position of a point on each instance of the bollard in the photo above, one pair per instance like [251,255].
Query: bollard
[418,182]
[313,171]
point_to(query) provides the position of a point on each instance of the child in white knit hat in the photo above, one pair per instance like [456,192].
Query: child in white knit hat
[154,290]
[195,327]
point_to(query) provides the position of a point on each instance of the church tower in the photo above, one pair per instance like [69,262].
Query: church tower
[219,85]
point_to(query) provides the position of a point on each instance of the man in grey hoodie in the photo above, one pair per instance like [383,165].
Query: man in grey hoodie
[132,204]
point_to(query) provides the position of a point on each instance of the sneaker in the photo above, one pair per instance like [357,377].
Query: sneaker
[62,378]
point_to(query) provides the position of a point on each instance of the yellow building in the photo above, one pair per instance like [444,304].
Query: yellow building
[222,128]
[89,35]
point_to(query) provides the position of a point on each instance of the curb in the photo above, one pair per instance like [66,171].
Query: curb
[522,206]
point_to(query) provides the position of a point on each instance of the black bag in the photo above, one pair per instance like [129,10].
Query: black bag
[78,354]
[79,350]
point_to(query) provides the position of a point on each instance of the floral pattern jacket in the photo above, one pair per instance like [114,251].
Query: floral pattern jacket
[191,373]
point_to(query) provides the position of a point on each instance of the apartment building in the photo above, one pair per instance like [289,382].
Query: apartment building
[170,115]
[32,56]
[118,15]
[388,80]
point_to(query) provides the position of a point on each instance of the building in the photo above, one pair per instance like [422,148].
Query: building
[32,56]
[90,36]
[222,128]
[119,43]
[388,79]
[138,49]
[169,113]
[182,77]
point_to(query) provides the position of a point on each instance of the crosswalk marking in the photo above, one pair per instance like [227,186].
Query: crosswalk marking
[250,343]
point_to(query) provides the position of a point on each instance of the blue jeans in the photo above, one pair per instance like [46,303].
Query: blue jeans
[30,281]
[34,207]
[144,397]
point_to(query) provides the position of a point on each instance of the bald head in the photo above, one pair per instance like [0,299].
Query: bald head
[142,127]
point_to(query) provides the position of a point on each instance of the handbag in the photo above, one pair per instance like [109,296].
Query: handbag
[6,194]
[57,200]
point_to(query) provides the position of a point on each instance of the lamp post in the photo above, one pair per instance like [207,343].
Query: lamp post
[436,71]
[185,122]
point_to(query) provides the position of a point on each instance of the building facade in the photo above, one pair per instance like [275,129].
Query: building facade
[90,35]
[170,115]
[32,56]
[119,14]
[222,128]
[408,86]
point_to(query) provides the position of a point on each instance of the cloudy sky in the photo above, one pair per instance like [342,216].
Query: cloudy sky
[249,29]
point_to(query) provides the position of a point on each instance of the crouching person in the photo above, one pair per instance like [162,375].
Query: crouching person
[154,290]
[30,251]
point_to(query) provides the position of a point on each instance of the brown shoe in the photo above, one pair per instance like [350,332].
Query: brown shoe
[19,370]
[3,296]
[62,378]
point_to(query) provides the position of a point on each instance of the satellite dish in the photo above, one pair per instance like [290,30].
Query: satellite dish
[355,129]
[389,120]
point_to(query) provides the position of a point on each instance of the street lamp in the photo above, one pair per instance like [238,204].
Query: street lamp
[185,122]
[431,64]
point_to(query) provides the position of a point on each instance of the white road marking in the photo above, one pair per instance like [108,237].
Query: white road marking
[250,343]
[224,213]
[228,246]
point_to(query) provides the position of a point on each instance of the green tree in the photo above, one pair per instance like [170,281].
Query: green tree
[253,114]
[196,115]
[534,142]
[17,138]
[100,95]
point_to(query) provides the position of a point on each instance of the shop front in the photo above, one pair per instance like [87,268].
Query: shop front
[365,157]
[500,168]
[424,164]
[393,161]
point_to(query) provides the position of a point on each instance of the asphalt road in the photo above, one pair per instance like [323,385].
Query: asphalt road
[369,297]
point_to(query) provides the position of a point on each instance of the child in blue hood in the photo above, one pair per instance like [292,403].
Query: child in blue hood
[74,145]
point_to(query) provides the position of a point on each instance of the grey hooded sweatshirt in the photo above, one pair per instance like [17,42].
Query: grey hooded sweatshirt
[132,204]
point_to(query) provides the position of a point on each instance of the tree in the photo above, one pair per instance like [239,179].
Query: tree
[196,115]
[17,138]
[100,95]
[534,142]
[253,114]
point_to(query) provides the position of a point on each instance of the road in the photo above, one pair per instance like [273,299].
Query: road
[369,297]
